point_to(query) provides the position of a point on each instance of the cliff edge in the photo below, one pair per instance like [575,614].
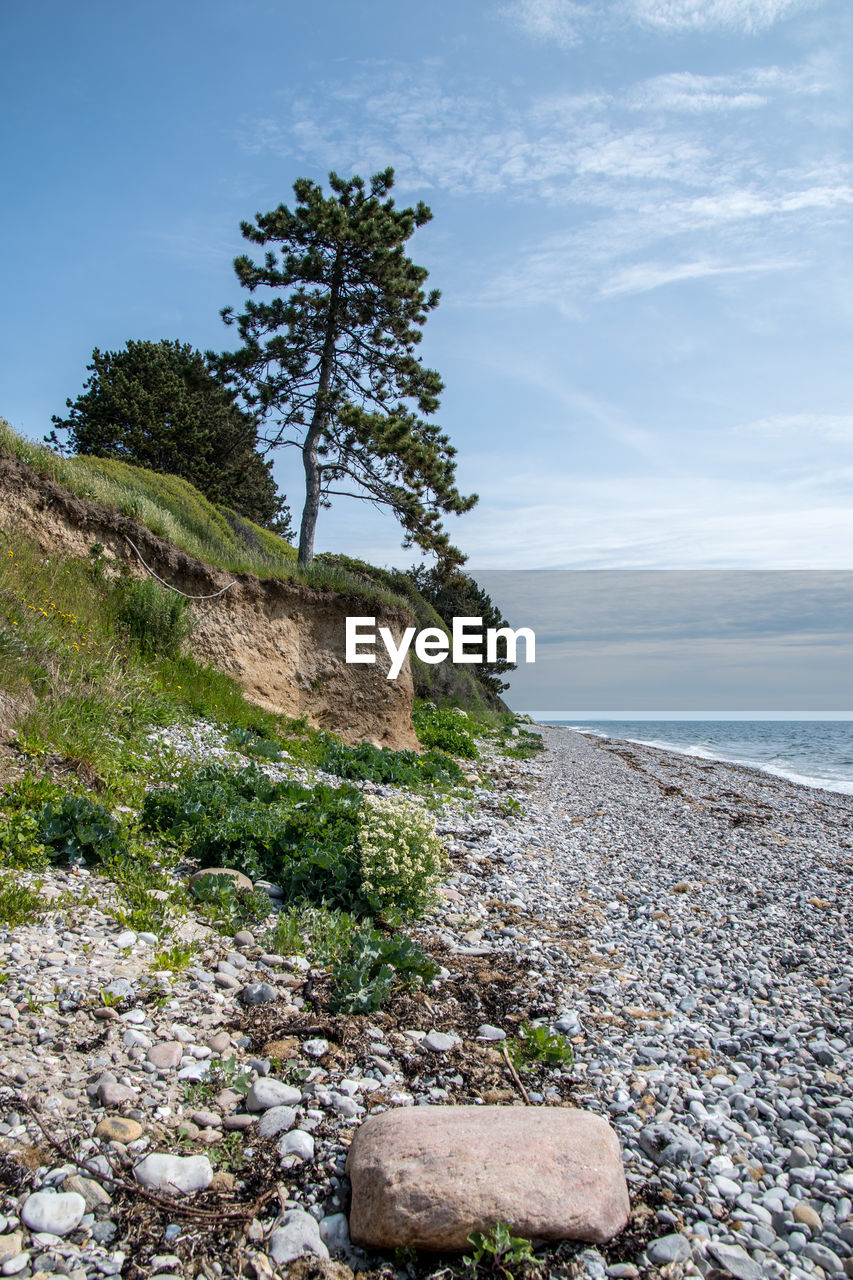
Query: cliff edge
[283,641]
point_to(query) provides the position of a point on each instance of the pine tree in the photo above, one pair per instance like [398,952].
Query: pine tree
[158,405]
[329,360]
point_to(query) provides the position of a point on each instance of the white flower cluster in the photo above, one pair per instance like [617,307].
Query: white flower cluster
[402,858]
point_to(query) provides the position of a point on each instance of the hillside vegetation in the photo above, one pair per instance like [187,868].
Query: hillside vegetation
[94,669]
[179,514]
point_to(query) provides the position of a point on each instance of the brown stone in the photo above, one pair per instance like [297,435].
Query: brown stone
[286,1048]
[112,1094]
[92,1192]
[310,1268]
[223,1181]
[220,1042]
[166,1055]
[427,1177]
[809,1217]
[240,881]
[117,1129]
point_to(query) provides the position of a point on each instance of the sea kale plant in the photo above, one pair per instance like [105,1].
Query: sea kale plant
[402,858]
[304,838]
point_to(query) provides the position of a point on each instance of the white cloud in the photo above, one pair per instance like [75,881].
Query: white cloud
[641,277]
[685,92]
[681,524]
[654,187]
[560,21]
[836,428]
[748,16]
[566,22]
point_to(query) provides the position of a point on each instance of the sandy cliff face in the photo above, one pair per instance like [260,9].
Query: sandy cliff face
[284,642]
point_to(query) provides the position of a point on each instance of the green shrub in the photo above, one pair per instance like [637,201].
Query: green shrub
[402,859]
[304,838]
[157,620]
[523,746]
[228,908]
[444,727]
[323,933]
[150,900]
[537,1046]
[364,976]
[253,744]
[21,844]
[78,830]
[175,958]
[20,903]
[367,763]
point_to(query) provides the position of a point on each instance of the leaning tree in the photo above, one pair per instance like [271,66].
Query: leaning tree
[328,357]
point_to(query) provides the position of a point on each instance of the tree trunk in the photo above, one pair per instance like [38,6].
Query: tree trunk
[314,434]
[312,491]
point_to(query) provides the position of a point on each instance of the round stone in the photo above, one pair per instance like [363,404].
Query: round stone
[673,1248]
[56,1212]
[439,1041]
[167,1055]
[174,1175]
[297,1143]
[276,1120]
[806,1214]
[267,1092]
[257,993]
[117,1129]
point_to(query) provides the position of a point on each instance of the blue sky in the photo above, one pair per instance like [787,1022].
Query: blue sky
[641,234]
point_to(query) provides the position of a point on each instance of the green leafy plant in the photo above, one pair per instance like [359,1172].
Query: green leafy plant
[21,844]
[157,620]
[175,958]
[79,830]
[367,763]
[497,1251]
[323,933]
[402,858]
[365,975]
[509,807]
[151,901]
[537,1046]
[524,745]
[226,906]
[304,838]
[444,727]
[253,744]
[20,903]
[226,1074]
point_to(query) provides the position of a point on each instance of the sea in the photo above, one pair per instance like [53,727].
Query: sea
[815,753]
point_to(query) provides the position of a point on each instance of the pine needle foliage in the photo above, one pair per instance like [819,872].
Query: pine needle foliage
[329,360]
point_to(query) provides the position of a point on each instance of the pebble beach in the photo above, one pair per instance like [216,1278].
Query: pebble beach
[683,923]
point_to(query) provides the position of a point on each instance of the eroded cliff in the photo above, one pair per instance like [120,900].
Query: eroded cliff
[283,641]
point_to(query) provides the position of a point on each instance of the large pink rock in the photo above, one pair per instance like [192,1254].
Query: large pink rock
[428,1177]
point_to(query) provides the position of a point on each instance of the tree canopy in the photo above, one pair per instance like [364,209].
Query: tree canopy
[157,404]
[328,361]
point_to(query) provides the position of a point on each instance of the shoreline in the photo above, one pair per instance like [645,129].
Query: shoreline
[812,782]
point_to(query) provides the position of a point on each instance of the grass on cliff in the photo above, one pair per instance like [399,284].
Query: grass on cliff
[87,694]
[178,513]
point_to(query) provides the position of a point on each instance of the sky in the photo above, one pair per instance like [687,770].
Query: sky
[641,233]
[653,644]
